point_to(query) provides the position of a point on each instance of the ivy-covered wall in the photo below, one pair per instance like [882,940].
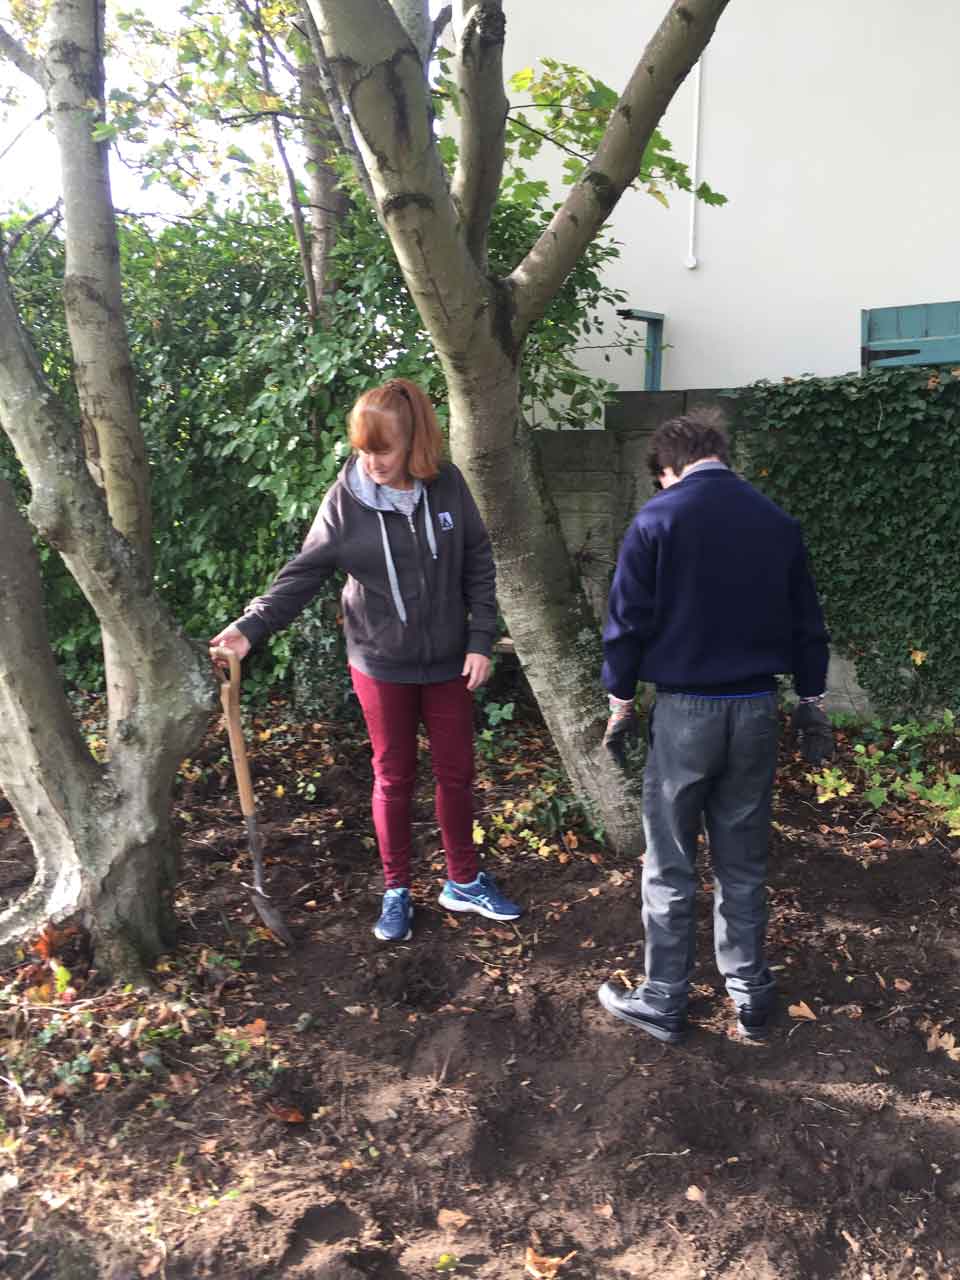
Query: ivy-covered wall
[871,467]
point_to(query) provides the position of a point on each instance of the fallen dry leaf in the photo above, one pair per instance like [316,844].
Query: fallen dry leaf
[289,1115]
[937,1038]
[854,1011]
[802,1010]
[183,1082]
[53,1199]
[542,1268]
[854,1244]
[452,1219]
[603,1210]
[695,1194]
[902,984]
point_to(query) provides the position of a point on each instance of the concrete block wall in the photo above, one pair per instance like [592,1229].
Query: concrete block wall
[598,478]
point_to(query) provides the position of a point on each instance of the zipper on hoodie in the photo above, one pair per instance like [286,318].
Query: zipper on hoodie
[424,594]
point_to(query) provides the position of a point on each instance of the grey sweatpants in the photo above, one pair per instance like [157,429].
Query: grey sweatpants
[712,760]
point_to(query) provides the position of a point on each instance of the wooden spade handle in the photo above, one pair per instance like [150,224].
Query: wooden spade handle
[230,699]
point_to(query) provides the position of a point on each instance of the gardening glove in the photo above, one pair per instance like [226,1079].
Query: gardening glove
[623,730]
[812,723]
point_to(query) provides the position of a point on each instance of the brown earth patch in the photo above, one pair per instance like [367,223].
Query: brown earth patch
[351,1110]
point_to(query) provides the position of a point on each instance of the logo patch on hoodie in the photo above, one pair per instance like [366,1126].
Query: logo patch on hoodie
[446,520]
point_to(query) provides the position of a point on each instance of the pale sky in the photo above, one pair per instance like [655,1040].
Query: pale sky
[28,157]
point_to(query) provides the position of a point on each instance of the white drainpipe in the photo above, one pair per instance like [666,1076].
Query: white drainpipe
[691,259]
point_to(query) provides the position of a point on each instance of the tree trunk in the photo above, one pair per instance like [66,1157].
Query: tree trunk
[327,204]
[549,617]
[103,369]
[100,833]
[479,323]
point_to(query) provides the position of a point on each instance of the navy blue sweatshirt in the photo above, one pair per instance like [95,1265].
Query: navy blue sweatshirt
[713,594]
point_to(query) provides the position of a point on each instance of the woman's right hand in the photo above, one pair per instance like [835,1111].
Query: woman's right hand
[231,638]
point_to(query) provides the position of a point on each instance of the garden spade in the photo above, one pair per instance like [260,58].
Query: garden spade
[230,698]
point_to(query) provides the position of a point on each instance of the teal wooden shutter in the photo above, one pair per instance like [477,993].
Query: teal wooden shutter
[925,334]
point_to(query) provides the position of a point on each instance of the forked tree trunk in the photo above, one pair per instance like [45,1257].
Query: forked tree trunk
[100,832]
[438,226]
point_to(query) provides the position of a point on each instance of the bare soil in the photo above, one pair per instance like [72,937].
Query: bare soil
[461,1104]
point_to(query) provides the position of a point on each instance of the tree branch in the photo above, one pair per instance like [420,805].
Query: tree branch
[326,202]
[548,137]
[69,512]
[414,17]
[256,21]
[671,53]
[479,30]
[38,245]
[41,748]
[383,86]
[28,226]
[19,134]
[338,114]
[296,212]
[13,51]
[92,288]
[440,24]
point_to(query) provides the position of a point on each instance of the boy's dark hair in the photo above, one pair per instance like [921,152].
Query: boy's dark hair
[701,433]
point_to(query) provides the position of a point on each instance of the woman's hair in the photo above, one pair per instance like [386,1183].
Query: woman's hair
[678,442]
[403,402]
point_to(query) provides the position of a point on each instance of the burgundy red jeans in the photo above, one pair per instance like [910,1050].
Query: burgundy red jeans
[393,713]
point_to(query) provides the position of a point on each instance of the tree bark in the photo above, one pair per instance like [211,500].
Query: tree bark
[551,622]
[327,204]
[479,31]
[479,323]
[92,286]
[103,370]
[414,16]
[100,833]
[331,93]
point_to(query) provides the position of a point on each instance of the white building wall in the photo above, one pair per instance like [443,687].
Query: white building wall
[832,127]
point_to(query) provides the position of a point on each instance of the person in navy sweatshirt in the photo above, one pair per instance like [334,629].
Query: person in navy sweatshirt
[712,597]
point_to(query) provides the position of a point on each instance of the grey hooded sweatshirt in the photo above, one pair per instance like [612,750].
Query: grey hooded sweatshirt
[420,591]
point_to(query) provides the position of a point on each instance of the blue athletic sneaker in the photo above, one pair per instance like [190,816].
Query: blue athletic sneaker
[481,896]
[395,918]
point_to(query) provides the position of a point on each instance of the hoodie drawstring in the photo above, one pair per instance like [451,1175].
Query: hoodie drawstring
[428,521]
[392,572]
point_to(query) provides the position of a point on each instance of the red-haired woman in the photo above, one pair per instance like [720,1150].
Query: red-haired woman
[419,616]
